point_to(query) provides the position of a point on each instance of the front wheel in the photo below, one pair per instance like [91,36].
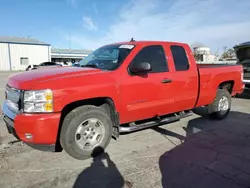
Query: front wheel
[84,130]
[221,106]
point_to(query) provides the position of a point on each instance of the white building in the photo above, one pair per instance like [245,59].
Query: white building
[68,55]
[17,53]
[203,55]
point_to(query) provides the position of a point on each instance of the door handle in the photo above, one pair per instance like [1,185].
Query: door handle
[166,81]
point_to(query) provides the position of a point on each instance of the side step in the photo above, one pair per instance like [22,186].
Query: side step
[165,119]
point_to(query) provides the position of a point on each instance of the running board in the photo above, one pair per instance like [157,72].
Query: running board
[135,127]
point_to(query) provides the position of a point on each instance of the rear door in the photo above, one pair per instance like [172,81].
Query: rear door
[146,96]
[185,77]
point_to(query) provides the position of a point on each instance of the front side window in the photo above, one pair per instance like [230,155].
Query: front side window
[180,58]
[155,56]
[108,57]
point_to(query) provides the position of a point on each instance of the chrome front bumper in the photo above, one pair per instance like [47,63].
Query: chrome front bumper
[7,111]
[8,117]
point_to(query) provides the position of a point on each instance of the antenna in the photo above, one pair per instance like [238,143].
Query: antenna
[69,42]
[132,40]
[69,46]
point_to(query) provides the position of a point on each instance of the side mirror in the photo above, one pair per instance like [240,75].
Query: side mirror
[140,68]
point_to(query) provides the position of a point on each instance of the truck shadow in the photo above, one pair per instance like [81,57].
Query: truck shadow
[214,154]
[99,174]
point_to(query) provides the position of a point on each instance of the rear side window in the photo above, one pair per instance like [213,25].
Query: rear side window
[180,58]
[155,56]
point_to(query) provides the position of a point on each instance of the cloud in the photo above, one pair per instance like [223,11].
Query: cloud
[95,9]
[214,23]
[88,23]
[73,3]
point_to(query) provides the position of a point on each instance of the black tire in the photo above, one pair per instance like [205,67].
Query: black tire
[213,108]
[33,69]
[71,123]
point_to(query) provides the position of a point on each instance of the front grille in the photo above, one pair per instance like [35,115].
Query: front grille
[13,97]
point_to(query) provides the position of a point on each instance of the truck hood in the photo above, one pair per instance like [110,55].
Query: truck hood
[28,79]
[243,56]
[243,53]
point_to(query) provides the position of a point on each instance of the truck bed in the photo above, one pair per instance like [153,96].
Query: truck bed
[215,65]
[212,75]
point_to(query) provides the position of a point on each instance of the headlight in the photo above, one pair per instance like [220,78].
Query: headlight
[38,101]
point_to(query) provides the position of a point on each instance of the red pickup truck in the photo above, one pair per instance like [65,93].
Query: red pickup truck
[120,87]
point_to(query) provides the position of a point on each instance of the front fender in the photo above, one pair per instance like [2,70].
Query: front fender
[75,94]
[73,88]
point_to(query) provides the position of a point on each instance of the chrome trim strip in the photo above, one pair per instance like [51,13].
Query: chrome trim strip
[246,81]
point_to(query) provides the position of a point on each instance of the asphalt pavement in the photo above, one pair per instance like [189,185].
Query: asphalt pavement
[193,152]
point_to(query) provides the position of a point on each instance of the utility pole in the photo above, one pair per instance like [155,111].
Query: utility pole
[69,42]
[70,47]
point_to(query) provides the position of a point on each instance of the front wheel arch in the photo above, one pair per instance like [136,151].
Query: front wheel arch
[105,103]
[88,132]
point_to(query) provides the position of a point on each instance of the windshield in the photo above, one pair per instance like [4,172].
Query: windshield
[107,57]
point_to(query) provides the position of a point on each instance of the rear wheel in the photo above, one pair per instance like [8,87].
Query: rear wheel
[84,129]
[221,106]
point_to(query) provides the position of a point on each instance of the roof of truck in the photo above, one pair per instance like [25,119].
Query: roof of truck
[149,42]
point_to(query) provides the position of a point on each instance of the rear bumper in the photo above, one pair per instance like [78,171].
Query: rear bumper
[247,82]
[239,90]
[37,130]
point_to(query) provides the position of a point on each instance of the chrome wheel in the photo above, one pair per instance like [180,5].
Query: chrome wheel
[89,134]
[223,105]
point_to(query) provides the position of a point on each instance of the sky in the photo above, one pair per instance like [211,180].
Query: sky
[89,24]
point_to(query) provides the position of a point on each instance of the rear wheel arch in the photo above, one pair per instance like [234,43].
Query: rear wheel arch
[213,108]
[105,103]
[227,85]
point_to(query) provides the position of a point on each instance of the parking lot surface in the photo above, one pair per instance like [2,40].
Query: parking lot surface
[194,152]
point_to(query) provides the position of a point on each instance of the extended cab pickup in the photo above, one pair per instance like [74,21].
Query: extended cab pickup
[119,87]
